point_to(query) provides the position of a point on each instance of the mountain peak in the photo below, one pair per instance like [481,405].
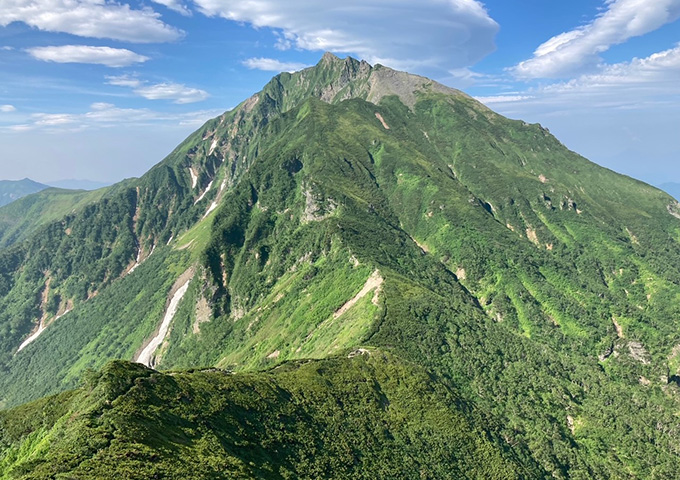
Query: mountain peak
[334,79]
[11,190]
[329,57]
[348,63]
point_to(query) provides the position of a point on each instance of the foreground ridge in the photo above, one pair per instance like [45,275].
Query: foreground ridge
[284,423]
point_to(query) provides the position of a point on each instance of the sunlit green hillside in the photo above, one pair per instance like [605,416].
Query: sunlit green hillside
[526,295]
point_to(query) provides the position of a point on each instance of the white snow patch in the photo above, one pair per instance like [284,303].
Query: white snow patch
[212,207]
[41,328]
[170,239]
[224,185]
[194,177]
[213,145]
[146,357]
[203,194]
[139,260]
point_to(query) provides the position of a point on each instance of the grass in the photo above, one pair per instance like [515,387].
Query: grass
[25,216]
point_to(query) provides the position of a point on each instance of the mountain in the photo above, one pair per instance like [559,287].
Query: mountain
[20,219]
[75,184]
[350,210]
[11,190]
[286,423]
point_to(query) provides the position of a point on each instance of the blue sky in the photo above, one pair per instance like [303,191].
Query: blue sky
[104,89]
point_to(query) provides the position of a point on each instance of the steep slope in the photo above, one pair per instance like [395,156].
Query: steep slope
[63,264]
[348,205]
[13,190]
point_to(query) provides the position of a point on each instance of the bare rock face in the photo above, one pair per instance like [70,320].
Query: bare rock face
[317,207]
[638,352]
[358,79]
[674,209]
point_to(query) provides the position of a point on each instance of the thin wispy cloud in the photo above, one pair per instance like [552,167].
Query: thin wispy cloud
[111,57]
[176,92]
[175,5]
[7,108]
[124,81]
[273,65]
[579,50]
[393,32]
[106,115]
[635,83]
[90,18]
[503,99]
[642,83]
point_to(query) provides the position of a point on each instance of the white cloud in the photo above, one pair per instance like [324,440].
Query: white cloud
[90,18]
[102,106]
[106,115]
[463,78]
[53,119]
[176,92]
[464,74]
[7,108]
[7,48]
[273,65]
[175,5]
[124,81]
[649,84]
[428,34]
[503,99]
[627,83]
[111,57]
[579,50]
[20,128]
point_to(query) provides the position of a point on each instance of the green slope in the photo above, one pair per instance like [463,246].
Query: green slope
[23,217]
[362,206]
[371,416]
[60,265]
[374,188]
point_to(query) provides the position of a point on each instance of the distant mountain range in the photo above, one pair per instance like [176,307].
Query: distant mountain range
[11,190]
